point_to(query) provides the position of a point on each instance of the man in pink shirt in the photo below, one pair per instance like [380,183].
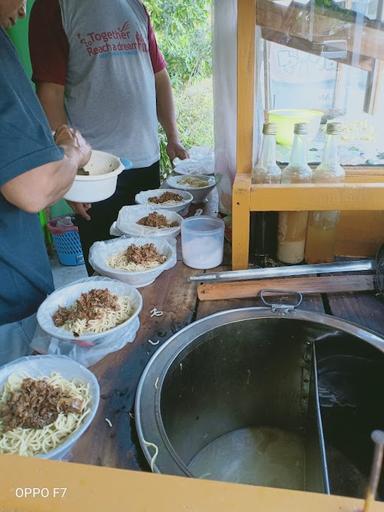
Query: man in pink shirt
[97,67]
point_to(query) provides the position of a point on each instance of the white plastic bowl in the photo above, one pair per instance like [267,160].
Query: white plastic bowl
[67,296]
[101,251]
[199,193]
[143,198]
[101,183]
[129,215]
[44,366]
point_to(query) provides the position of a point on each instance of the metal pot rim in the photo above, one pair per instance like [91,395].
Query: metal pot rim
[201,327]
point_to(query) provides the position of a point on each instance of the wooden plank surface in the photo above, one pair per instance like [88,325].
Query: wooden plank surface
[365,309]
[100,489]
[209,307]
[308,284]
[119,373]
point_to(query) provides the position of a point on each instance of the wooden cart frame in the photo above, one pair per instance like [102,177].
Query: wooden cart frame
[363,189]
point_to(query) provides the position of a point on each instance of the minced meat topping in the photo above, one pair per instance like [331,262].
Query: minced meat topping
[166,197]
[87,307]
[143,254]
[36,404]
[157,220]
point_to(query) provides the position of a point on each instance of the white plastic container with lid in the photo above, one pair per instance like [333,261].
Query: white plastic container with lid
[202,241]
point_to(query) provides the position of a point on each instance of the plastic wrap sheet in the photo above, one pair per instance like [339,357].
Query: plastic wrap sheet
[101,252]
[89,348]
[84,353]
[201,161]
[174,206]
[129,216]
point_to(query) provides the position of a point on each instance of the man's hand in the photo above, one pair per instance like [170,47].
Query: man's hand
[66,136]
[175,149]
[81,209]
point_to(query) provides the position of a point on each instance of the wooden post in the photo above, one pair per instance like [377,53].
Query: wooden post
[246,29]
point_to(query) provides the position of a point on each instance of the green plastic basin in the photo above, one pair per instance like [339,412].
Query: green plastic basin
[286,119]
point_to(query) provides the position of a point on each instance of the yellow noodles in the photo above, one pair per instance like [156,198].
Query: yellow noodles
[194,181]
[28,441]
[108,319]
[119,261]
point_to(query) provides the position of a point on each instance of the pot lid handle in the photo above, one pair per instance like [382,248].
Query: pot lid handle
[288,300]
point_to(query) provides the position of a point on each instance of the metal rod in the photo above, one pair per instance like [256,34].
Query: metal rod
[288,271]
[378,438]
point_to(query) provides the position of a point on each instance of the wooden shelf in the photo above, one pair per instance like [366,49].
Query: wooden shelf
[363,190]
[314,197]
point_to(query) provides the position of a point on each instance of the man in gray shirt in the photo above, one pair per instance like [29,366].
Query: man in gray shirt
[97,66]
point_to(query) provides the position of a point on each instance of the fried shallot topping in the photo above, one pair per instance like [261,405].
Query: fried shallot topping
[165,198]
[143,254]
[87,307]
[36,404]
[157,220]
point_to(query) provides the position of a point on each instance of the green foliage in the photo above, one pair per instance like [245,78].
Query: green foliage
[195,119]
[194,105]
[183,32]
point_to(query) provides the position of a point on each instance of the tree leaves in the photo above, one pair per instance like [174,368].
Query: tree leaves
[183,30]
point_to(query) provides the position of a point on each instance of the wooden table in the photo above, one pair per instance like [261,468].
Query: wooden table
[119,373]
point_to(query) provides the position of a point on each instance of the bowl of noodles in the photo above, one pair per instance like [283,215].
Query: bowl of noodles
[136,261]
[88,311]
[143,221]
[46,404]
[199,186]
[166,199]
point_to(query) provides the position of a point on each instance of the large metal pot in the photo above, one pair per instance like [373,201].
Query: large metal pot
[234,397]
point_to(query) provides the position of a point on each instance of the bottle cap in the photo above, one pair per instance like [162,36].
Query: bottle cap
[334,128]
[269,129]
[301,129]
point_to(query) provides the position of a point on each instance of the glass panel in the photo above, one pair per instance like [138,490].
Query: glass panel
[323,55]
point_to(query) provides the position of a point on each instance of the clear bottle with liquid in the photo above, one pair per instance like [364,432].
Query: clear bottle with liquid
[292,229]
[322,226]
[264,224]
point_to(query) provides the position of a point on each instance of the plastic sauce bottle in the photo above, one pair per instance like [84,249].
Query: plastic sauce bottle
[293,225]
[264,224]
[322,226]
